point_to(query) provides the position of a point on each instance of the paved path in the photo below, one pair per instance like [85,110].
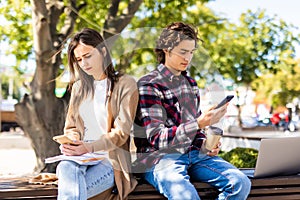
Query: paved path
[251,138]
[17,158]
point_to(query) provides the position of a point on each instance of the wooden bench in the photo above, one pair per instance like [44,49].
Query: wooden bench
[283,187]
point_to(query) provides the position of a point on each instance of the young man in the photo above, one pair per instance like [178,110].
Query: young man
[169,126]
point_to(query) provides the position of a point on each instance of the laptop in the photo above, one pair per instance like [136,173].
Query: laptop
[276,157]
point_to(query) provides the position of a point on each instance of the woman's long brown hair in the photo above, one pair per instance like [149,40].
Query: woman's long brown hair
[93,38]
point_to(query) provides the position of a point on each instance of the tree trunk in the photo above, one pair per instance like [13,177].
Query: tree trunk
[34,122]
[41,114]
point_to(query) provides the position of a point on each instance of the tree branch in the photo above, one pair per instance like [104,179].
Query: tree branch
[118,23]
[113,10]
[71,13]
[55,9]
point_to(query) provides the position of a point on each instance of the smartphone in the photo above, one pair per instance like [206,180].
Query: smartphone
[224,101]
[63,139]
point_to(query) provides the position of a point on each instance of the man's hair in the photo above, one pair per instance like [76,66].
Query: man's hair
[171,36]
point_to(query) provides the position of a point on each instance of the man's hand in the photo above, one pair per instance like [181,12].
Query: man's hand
[211,116]
[215,151]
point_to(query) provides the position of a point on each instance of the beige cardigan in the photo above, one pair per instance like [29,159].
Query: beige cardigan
[121,109]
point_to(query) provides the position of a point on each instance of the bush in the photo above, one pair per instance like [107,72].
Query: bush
[241,157]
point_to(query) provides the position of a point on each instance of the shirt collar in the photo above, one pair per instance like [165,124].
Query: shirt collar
[166,73]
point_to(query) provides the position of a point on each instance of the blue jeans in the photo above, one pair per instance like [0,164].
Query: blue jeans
[79,182]
[172,174]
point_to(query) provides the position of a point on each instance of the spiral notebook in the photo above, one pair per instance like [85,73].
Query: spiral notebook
[276,157]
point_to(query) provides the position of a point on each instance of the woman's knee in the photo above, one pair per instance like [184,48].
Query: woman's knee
[65,166]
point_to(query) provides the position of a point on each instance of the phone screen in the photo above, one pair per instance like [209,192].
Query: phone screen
[224,101]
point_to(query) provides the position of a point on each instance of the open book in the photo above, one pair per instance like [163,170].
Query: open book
[85,159]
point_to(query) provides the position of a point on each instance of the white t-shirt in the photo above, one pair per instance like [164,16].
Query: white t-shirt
[93,112]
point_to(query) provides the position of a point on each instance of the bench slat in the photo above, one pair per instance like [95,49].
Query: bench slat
[276,181]
[287,187]
[277,190]
[279,197]
[146,197]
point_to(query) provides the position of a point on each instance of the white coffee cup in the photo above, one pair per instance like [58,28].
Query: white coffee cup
[213,135]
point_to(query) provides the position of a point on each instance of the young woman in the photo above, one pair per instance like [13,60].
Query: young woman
[99,118]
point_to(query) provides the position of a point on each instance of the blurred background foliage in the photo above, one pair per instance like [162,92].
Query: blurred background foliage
[241,157]
[257,52]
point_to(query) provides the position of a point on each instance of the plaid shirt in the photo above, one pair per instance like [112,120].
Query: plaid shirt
[167,112]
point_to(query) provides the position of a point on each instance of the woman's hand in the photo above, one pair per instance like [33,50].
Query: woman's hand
[76,149]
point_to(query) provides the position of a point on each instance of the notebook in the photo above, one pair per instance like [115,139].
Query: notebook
[276,156]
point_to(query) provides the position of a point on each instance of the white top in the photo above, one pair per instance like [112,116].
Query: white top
[93,112]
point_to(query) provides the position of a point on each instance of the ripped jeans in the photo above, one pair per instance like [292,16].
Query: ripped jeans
[80,182]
